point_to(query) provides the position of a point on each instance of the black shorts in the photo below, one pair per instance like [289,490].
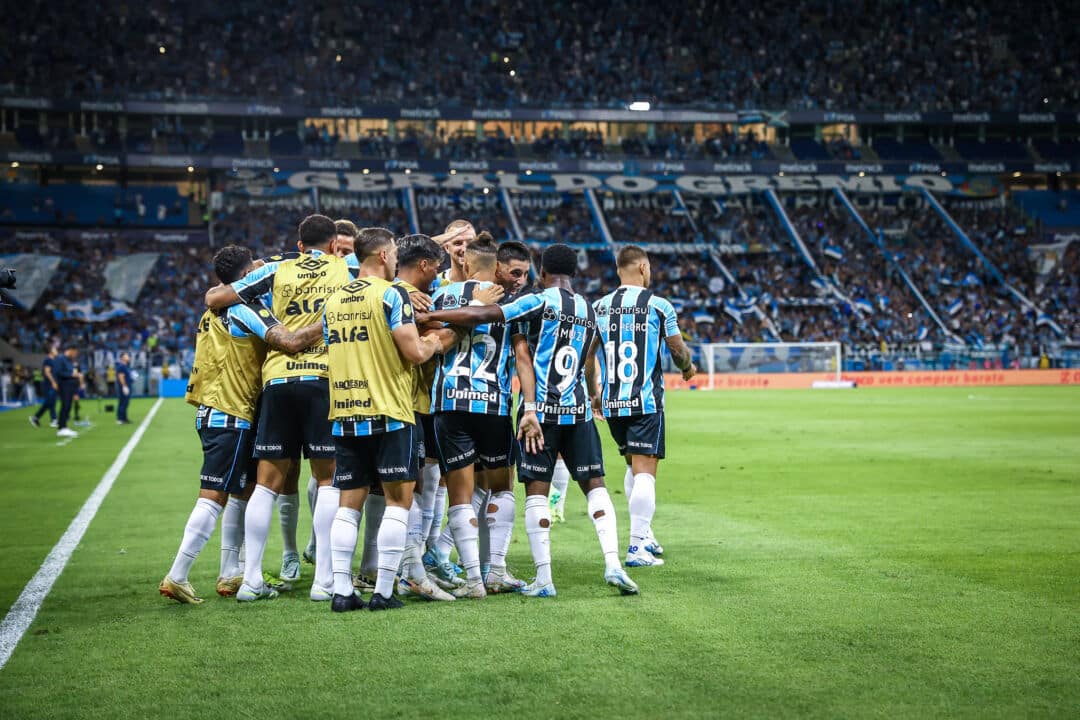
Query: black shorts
[639,434]
[227,465]
[427,424]
[579,445]
[365,460]
[294,420]
[464,439]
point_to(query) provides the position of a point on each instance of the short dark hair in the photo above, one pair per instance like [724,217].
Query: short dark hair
[559,259]
[414,248]
[370,240]
[346,227]
[317,231]
[631,255]
[514,250]
[231,263]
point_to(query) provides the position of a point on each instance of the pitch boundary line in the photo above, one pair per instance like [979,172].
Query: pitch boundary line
[22,613]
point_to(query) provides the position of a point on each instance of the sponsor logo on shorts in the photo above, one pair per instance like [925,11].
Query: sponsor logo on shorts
[494,458]
[637,444]
[212,480]
[588,468]
[534,468]
[458,458]
[321,448]
[269,448]
[343,477]
[392,470]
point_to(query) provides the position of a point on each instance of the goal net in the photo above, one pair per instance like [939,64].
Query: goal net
[731,364]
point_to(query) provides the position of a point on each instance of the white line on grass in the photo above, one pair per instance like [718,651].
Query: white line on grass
[25,609]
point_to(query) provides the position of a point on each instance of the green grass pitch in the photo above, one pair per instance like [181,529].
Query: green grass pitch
[889,553]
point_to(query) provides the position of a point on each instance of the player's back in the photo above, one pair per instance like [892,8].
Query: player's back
[368,376]
[226,374]
[633,323]
[561,328]
[475,375]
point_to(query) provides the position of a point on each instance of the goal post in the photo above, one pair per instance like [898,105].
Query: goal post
[728,364]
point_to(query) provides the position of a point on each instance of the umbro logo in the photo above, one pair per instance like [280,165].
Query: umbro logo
[310,263]
[356,286]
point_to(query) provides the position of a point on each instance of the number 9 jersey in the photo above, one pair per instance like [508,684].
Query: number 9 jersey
[561,328]
[633,324]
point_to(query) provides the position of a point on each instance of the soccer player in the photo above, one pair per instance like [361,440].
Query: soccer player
[295,399]
[226,379]
[347,233]
[563,333]
[50,389]
[373,343]
[472,400]
[123,388]
[633,322]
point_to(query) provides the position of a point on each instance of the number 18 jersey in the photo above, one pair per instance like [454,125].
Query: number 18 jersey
[561,328]
[633,323]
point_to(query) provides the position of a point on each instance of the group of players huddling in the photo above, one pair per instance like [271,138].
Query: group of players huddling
[394,380]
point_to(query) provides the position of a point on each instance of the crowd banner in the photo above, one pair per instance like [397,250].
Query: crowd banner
[125,276]
[32,275]
[904,379]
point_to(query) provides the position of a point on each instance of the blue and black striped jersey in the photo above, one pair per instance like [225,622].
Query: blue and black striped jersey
[561,328]
[633,324]
[475,375]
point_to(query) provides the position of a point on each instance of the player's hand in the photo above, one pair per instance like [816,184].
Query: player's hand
[530,433]
[489,295]
[598,409]
[56,387]
[689,372]
[421,301]
[443,238]
[125,391]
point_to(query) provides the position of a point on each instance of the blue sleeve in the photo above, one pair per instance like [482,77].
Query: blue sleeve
[325,328]
[523,307]
[353,263]
[256,283]
[398,307]
[669,319]
[251,319]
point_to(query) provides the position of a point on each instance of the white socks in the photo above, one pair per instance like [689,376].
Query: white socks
[538,528]
[414,565]
[642,507]
[326,508]
[438,512]
[602,513]
[342,548]
[445,544]
[393,531]
[374,507]
[260,511]
[560,481]
[199,528]
[430,475]
[463,524]
[500,518]
[628,483]
[312,497]
[232,536]
[288,513]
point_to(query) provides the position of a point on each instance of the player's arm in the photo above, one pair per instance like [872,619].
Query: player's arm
[529,430]
[50,378]
[401,320]
[123,383]
[590,379]
[474,315]
[247,289]
[680,353]
[255,319]
[447,337]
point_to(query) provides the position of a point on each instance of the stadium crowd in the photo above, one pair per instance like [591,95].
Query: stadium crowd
[1001,55]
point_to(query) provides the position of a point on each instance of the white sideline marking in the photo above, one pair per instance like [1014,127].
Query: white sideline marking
[25,609]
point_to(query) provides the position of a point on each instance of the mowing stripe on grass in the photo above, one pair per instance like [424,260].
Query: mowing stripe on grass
[25,609]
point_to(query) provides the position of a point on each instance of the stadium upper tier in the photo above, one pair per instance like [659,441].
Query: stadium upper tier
[921,55]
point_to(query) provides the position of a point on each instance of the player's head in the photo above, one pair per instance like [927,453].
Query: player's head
[376,251]
[558,260]
[345,242]
[125,357]
[71,351]
[232,262]
[54,351]
[512,270]
[481,256]
[418,259]
[317,232]
[633,266]
[455,248]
